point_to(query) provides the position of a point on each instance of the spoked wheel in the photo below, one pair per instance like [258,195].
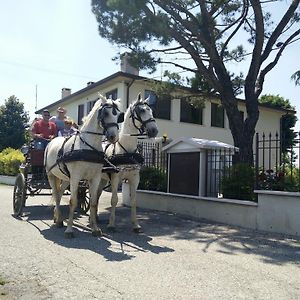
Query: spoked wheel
[83,200]
[19,196]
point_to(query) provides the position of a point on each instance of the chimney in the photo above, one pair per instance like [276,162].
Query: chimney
[126,67]
[65,92]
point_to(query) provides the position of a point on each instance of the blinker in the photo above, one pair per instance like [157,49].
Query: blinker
[120,118]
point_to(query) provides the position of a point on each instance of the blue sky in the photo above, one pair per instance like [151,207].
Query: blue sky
[53,44]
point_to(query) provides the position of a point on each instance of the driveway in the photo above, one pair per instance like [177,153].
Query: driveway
[175,258]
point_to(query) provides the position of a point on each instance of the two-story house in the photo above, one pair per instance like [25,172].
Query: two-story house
[175,117]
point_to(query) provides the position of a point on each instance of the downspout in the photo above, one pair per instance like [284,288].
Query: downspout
[127,92]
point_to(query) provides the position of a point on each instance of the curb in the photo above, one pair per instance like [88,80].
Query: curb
[9,180]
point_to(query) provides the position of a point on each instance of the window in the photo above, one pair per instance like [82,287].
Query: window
[80,113]
[189,113]
[217,115]
[113,94]
[162,109]
[90,105]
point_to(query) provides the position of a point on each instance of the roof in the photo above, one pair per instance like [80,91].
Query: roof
[131,77]
[118,75]
[189,143]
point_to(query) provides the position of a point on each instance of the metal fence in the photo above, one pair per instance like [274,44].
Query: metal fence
[277,162]
[217,164]
[153,154]
[218,167]
[154,169]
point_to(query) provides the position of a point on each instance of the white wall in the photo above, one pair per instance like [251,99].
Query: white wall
[269,120]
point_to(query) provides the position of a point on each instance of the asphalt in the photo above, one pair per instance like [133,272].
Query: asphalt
[174,258]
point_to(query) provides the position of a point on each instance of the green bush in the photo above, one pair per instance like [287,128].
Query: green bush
[153,179]
[10,161]
[239,182]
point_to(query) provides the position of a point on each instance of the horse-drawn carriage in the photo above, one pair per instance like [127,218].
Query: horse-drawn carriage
[81,163]
[32,181]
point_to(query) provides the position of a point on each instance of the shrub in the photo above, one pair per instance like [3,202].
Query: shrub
[239,182]
[153,179]
[284,179]
[10,161]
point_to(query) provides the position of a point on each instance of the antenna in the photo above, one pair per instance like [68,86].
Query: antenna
[35,97]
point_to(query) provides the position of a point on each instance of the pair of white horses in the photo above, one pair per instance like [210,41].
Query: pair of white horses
[81,157]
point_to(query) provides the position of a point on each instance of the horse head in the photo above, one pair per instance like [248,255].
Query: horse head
[109,115]
[141,112]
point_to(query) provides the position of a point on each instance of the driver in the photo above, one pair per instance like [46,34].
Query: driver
[43,131]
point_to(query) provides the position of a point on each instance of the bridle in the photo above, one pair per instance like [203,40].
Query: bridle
[101,119]
[135,116]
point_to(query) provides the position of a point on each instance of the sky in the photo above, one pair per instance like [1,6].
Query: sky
[51,44]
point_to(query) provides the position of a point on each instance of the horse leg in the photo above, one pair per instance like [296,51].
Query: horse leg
[56,197]
[69,233]
[94,192]
[133,184]
[103,183]
[114,201]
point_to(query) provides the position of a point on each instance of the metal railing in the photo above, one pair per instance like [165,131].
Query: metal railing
[277,162]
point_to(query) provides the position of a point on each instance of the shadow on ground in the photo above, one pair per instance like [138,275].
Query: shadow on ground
[271,248]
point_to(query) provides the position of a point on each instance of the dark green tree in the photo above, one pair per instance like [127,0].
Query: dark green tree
[13,122]
[210,34]
[288,121]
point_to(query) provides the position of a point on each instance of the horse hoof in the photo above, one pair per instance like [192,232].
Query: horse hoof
[97,233]
[137,230]
[59,224]
[69,235]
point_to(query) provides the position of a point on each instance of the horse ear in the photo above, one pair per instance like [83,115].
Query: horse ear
[139,98]
[102,98]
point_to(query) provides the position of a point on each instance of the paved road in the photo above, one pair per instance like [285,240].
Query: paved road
[175,258]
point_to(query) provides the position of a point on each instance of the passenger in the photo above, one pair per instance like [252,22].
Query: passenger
[43,131]
[68,130]
[60,118]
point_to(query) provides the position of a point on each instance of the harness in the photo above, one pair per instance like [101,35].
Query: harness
[88,155]
[134,159]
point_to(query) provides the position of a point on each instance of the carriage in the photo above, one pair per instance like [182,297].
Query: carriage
[32,181]
[81,163]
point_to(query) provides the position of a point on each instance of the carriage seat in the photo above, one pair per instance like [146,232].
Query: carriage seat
[37,157]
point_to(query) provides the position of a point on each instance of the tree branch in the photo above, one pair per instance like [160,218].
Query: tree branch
[271,65]
[279,28]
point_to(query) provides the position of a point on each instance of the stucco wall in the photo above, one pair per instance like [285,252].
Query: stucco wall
[279,212]
[276,212]
[269,119]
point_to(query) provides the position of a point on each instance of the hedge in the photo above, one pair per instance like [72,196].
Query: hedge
[10,161]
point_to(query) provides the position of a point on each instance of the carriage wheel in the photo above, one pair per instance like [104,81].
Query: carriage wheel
[83,200]
[19,196]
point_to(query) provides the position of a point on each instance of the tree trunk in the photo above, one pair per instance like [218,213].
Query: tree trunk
[242,131]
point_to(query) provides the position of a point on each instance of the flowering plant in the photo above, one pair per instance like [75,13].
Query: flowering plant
[271,180]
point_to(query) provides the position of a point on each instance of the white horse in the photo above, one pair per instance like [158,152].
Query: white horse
[138,120]
[81,157]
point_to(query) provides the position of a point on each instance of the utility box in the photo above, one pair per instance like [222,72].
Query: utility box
[195,166]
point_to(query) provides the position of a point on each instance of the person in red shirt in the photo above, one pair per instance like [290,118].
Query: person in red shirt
[43,131]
